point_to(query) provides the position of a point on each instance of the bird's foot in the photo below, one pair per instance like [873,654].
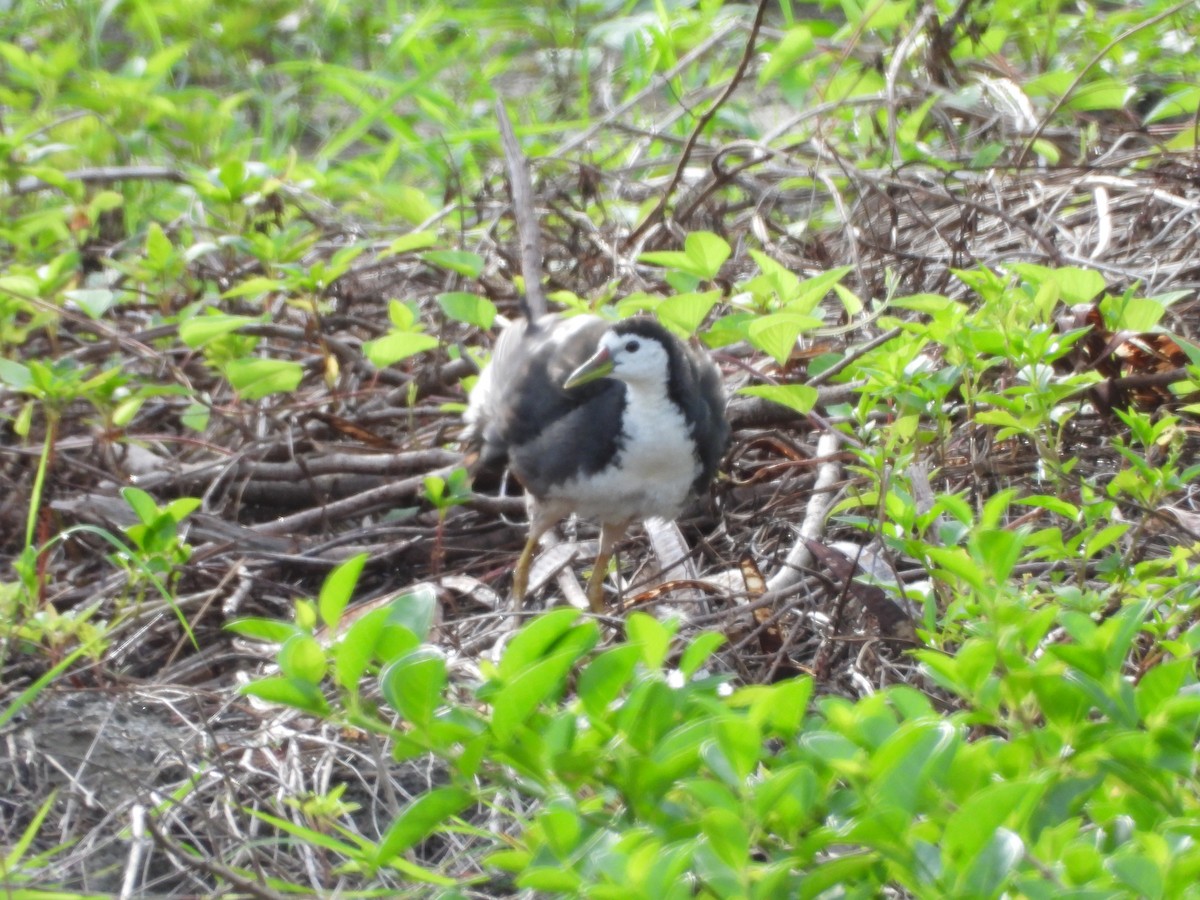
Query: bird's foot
[595,592]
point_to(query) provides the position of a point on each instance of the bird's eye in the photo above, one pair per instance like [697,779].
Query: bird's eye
[631,346]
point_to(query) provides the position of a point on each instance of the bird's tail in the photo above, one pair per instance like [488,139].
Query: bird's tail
[533,301]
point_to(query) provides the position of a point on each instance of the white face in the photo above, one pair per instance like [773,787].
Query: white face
[636,358]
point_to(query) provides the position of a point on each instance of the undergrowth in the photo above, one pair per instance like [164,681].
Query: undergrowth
[251,256]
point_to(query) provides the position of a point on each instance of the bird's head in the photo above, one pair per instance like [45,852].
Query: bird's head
[633,356]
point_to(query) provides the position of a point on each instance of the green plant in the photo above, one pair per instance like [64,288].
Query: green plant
[650,778]
[444,494]
[20,867]
[154,540]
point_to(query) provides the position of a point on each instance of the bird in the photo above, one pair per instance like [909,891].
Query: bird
[615,422]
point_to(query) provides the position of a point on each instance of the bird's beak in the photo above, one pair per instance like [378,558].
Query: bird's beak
[598,366]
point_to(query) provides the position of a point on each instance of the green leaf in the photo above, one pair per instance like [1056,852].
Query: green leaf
[260,629]
[603,679]
[403,316]
[672,259]
[15,857]
[685,312]
[308,835]
[797,41]
[394,641]
[974,824]
[418,820]
[707,252]
[651,636]
[1177,103]
[254,287]
[411,204]
[884,16]
[1056,505]
[232,173]
[413,684]
[1047,150]
[776,708]
[516,701]
[1160,685]
[302,658]
[909,130]
[1105,538]
[461,261]
[776,334]
[434,489]
[1133,314]
[777,285]
[293,692]
[908,759]
[955,561]
[702,256]
[647,714]
[337,588]
[306,615]
[354,652]
[517,698]
[1061,700]
[549,880]
[560,822]
[698,651]
[415,609]
[141,503]
[182,507]
[812,291]
[16,375]
[470,309]
[416,240]
[195,417]
[158,536]
[1099,95]
[799,397]
[535,639]
[741,743]
[830,878]
[1000,549]
[851,302]
[509,860]
[934,305]
[397,345]
[254,379]
[987,874]
[728,836]
[728,329]
[158,245]
[1141,874]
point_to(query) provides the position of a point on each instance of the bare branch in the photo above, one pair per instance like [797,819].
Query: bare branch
[534,302]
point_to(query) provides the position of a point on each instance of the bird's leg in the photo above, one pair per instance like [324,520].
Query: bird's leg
[541,520]
[520,582]
[610,536]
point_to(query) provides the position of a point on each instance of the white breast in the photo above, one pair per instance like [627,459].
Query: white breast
[657,466]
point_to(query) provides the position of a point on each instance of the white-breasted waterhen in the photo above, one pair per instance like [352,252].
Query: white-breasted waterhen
[614,422]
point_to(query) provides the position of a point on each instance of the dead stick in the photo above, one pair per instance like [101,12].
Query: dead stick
[528,230]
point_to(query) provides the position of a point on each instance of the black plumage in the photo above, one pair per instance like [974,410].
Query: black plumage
[614,421]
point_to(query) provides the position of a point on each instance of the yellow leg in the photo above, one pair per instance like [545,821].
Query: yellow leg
[520,583]
[610,536]
[541,520]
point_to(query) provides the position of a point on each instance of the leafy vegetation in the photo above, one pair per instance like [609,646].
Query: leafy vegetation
[250,259]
